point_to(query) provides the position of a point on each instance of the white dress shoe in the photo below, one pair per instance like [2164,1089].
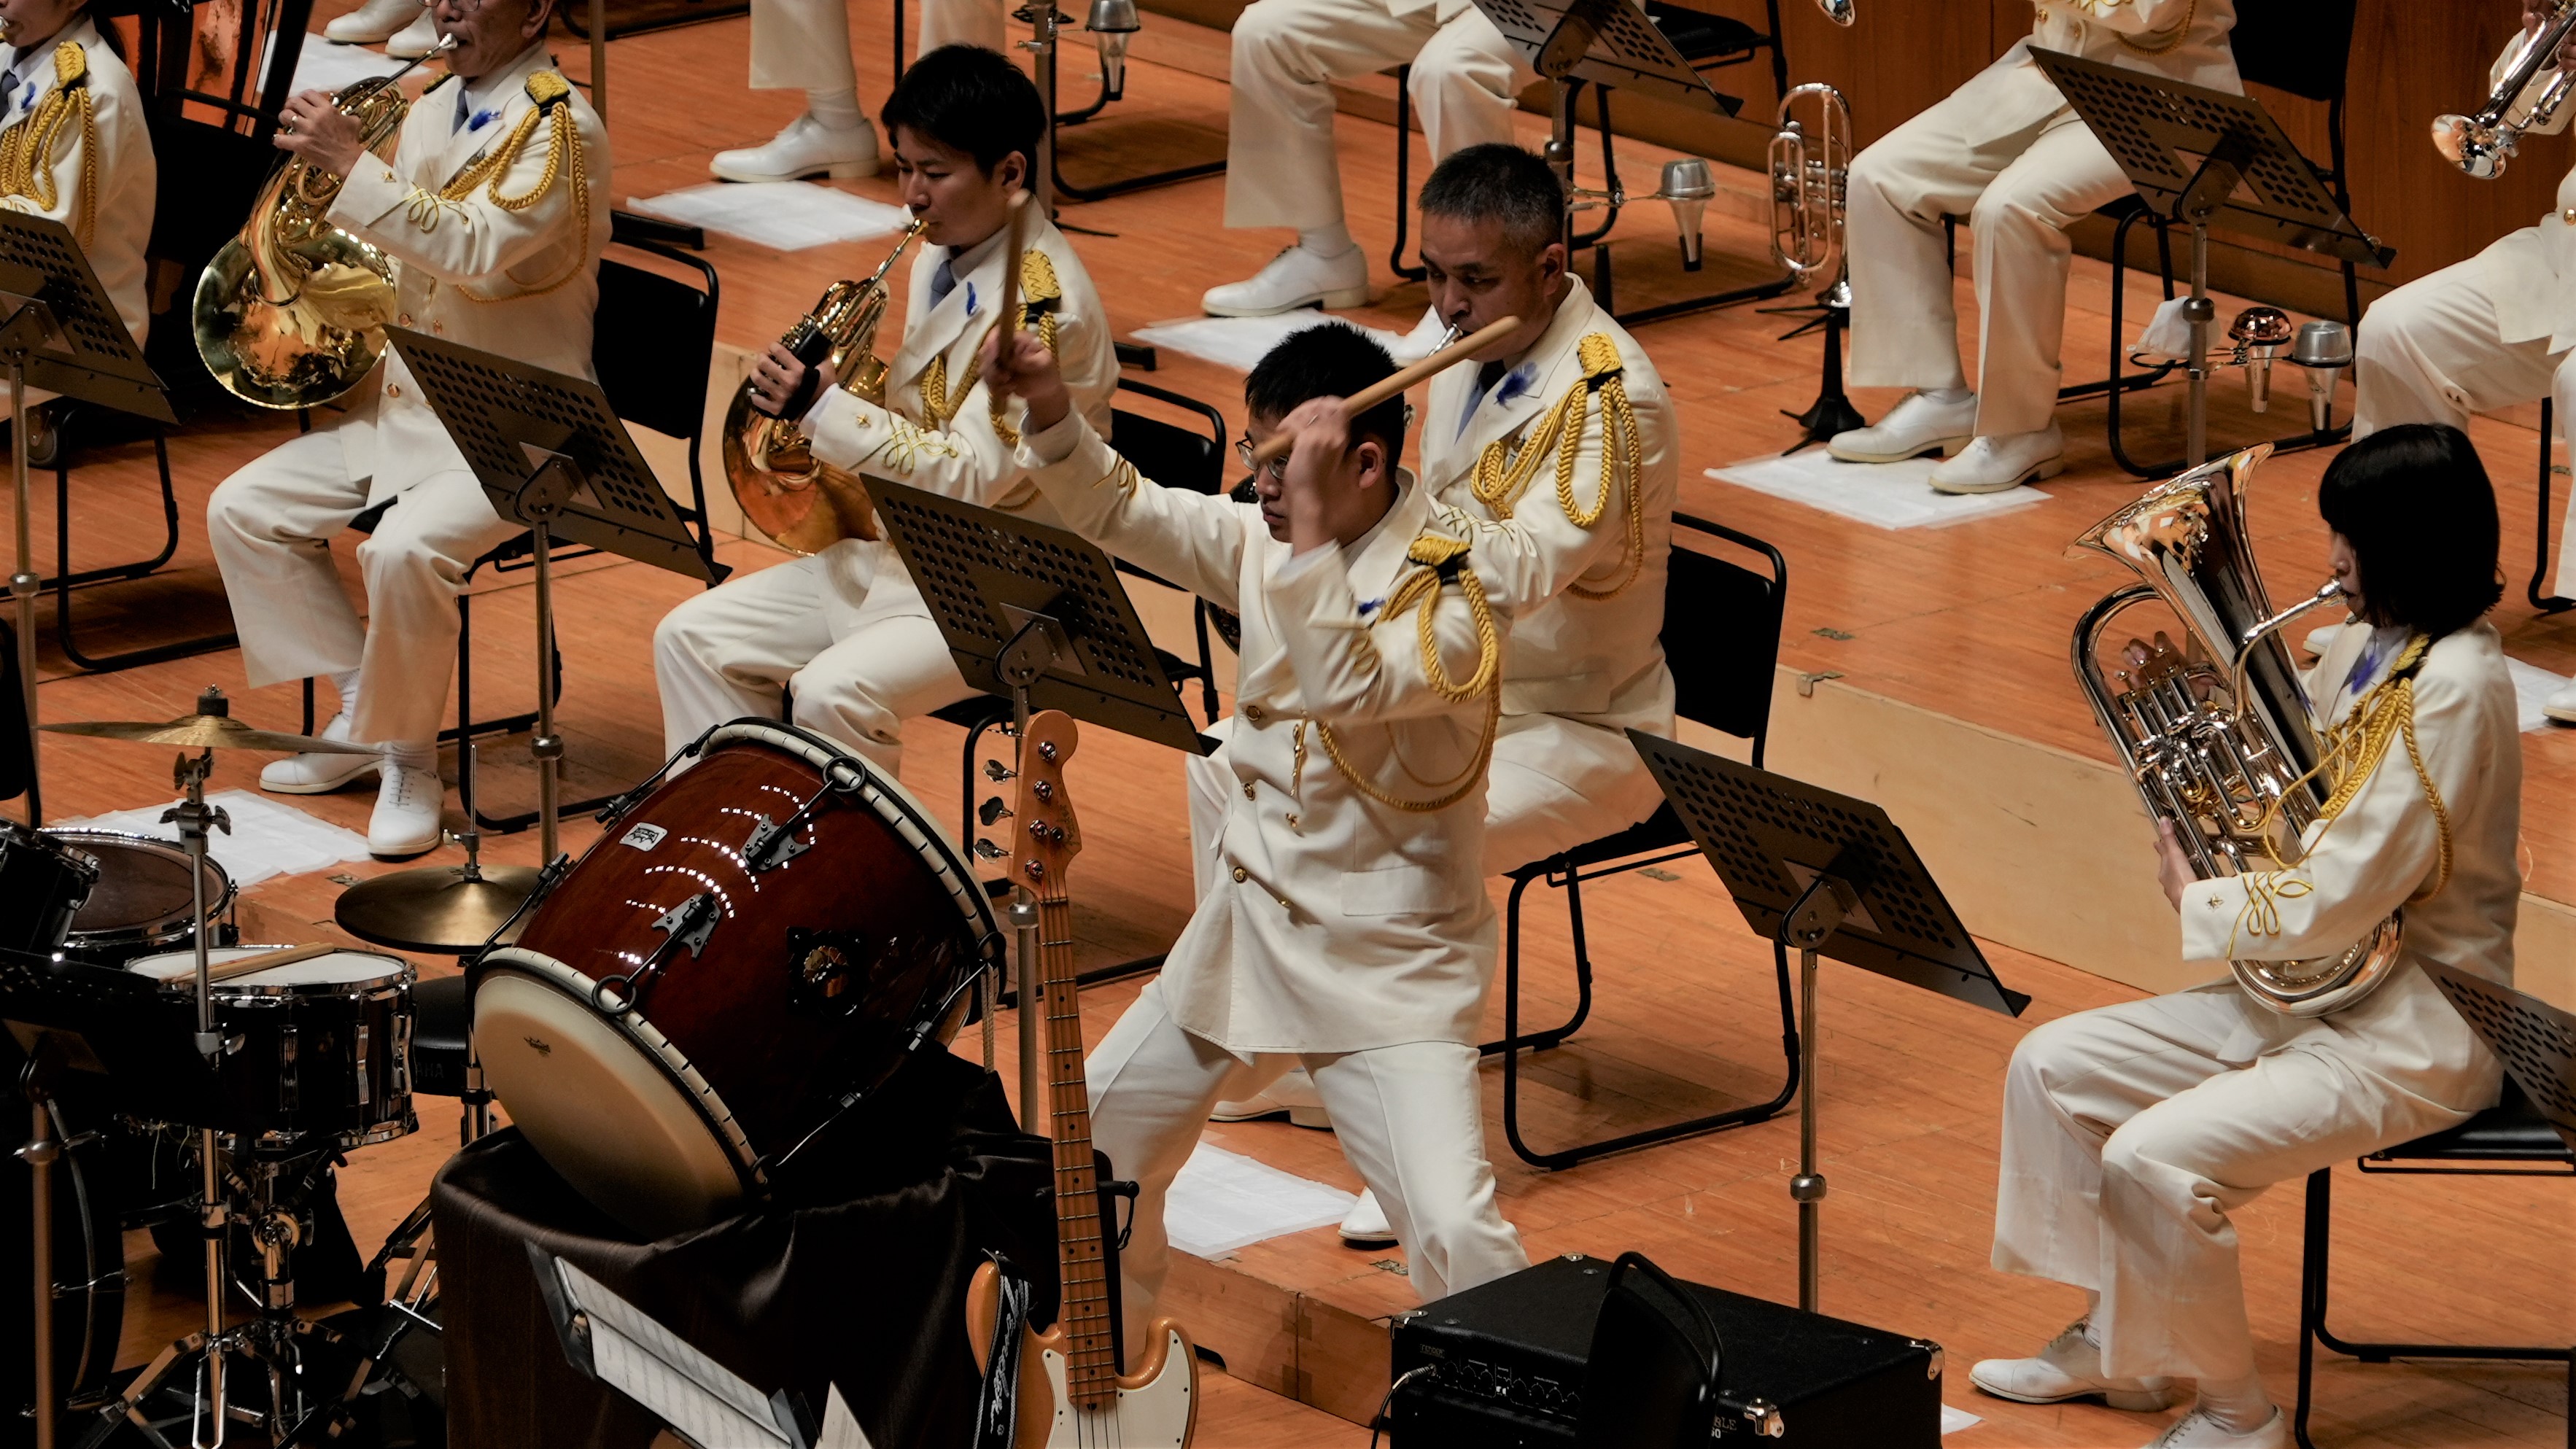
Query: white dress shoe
[1918,425]
[406,821]
[2197,1430]
[805,148]
[2070,1367]
[1293,1096]
[414,40]
[1295,278]
[1365,1226]
[318,774]
[2561,704]
[375,21]
[1421,342]
[1999,465]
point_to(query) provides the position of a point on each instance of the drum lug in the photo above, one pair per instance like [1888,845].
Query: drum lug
[771,845]
[691,923]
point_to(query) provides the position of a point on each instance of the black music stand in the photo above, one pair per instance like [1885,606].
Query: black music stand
[2208,158]
[58,331]
[1037,615]
[1827,875]
[2535,1041]
[551,454]
[1611,43]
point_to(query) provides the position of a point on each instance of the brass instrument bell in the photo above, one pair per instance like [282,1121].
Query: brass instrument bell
[2481,144]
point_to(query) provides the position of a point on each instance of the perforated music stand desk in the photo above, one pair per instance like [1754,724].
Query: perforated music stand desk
[1037,615]
[58,331]
[2535,1040]
[2207,158]
[550,453]
[1825,875]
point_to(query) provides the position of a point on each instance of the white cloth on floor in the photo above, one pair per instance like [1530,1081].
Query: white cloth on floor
[1410,1116]
[1882,495]
[788,215]
[269,837]
[1240,342]
[1281,168]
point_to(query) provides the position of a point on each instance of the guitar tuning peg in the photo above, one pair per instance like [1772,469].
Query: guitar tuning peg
[992,810]
[996,771]
[987,850]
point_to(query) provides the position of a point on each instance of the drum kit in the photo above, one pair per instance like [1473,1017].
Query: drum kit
[676,1020]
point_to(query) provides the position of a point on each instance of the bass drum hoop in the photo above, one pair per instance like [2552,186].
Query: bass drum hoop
[676,1071]
[894,804]
[162,930]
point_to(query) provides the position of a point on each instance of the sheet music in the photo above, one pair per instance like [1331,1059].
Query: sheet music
[702,1401]
[840,1427]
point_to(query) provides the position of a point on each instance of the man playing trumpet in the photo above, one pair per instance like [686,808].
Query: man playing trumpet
[845,631]
[494,208]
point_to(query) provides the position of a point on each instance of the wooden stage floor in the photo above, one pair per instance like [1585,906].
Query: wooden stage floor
[1970,621]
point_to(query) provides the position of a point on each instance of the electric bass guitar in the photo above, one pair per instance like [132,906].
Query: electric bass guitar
[1071,1393]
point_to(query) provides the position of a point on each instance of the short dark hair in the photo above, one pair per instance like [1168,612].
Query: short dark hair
[968,99]
[2416,504]
[1330,359]
[1502,182]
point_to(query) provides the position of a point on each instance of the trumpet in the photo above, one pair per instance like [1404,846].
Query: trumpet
[1810,180]
[801,503]
[2481,144]
[291,313]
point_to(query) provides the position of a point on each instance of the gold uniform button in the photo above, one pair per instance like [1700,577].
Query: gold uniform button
[2568,216]
[1255,713]
[1247,790]
[404,319]
[438,327]
[1292,819]
[1241,875]
[393,389]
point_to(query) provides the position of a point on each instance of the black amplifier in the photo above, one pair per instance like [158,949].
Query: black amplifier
[1505,1367]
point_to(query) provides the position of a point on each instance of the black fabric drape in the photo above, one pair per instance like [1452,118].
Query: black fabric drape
[867,1292]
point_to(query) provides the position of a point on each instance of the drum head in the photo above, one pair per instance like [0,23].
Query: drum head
[319,974]
[142,884]
[604,1109]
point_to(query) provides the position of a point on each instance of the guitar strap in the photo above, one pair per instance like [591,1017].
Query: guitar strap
[997,1404]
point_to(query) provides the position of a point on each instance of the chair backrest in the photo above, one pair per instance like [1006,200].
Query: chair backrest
[653,341]
[1172,455]
[1721,633]
[2300,46]
[1652,1378]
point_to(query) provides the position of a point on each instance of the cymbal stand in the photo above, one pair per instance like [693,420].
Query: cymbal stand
[40,1153]
[30,324]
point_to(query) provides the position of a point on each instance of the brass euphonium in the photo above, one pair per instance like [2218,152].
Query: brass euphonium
[292,312]
[2217,733]
[803,504]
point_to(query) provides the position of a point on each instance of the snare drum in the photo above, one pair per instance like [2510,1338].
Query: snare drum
[142,903]
[318,1046]
[42,883]
[688,1004]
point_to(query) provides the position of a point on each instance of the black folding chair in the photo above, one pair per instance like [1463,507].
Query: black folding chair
[1721,639]
[2510,1139]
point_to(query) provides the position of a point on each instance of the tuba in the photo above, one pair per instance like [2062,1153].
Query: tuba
[2481,144]
[801,503]
[291,313]
[2216,732]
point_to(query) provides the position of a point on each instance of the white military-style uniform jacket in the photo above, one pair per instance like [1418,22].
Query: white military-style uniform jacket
[1582,578]
[96,173]
[521,281]
[1338,922]
[2535,268]
[938,430]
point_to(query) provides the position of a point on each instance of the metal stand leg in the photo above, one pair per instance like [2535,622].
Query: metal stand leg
[40,1154]
[1808,1187]
[546,746]
[23,582]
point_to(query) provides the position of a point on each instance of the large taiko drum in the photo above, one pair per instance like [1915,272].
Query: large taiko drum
[753,942]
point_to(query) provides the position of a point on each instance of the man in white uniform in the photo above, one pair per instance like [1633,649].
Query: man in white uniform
[1347,930]
[1581,574]
[846,631]
[1281,169]
[74,149]
[2132,1132]
[2006,151]
[2486,333]
[494,209]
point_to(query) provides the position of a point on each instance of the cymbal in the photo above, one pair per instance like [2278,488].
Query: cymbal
[208,732]
[434,907]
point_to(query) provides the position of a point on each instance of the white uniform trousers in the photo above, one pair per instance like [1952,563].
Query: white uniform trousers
[271,525]
[2019,193]
[1553,785]
[2431,352]
[971,22]
[1281,169]
[801,45]
[1410,1117]
[856,673]
[2131,1132]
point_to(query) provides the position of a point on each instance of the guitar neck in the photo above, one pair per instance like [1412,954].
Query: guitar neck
[1081,1262]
